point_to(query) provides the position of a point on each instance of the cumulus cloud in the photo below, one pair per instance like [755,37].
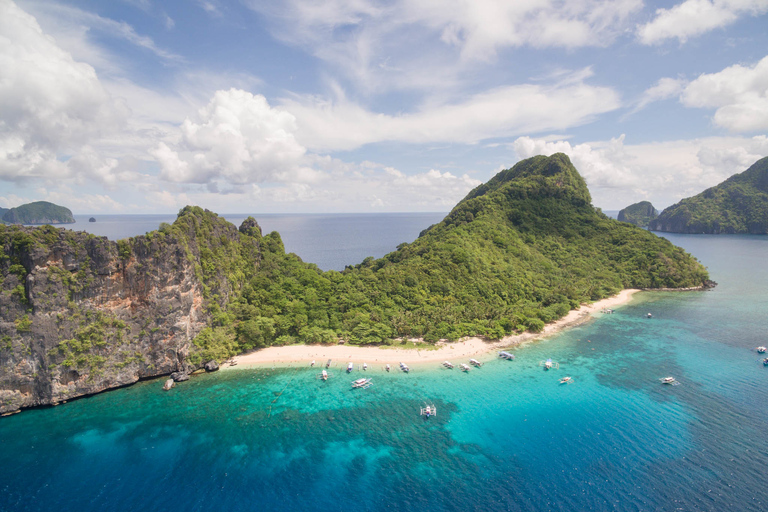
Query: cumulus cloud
[695,17]
[739,93]
[51,105]
[237,138]
[620,174]
[372,42]
[501,112]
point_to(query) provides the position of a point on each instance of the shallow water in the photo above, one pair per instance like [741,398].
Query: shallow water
[507,436]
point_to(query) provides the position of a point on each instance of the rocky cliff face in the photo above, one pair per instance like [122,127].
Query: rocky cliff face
[80,314]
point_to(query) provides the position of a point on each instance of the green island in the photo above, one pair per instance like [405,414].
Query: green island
[518,252]
[39,212]
[737,205]
[639,214]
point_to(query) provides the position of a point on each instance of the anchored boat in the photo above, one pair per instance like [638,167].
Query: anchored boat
[464,367]
[404,367]
[669,380]
[448,364]
[507,355]
[361,383]
[566,380]
[324,375]
[549,364]
[475,362]
[388,367]
[350,367]
[429,410]
[760,350]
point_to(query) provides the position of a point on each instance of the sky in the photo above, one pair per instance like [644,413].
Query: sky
[315,106]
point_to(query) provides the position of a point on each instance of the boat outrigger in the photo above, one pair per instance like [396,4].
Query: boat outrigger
[404,367]
[465,367]
[549,364]
[669,380]
[507,355]
[475,362]
[566,380]
[429,410]
[448,364]
[362,383]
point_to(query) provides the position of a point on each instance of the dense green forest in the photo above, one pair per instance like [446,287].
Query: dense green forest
[737,205]
[639,214]
[39,212]
[516,253]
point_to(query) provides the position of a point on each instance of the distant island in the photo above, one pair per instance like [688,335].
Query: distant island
[737,205]
[39,212]
[92,219]
[639,214]
[80,313]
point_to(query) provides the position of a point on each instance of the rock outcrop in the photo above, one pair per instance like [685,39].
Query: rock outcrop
[80,314]
[639,214]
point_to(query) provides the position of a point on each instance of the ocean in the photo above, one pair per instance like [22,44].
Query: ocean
[506,436]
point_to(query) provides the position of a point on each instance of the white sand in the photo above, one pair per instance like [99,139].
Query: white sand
[304,354]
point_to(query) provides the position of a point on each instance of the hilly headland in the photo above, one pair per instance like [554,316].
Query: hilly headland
[737,205]
[639,214]
[80,314]
[39,212]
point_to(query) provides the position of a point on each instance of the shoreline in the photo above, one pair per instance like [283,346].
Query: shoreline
[467,347]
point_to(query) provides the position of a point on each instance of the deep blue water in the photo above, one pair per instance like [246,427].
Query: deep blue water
[507,436]
[331,241]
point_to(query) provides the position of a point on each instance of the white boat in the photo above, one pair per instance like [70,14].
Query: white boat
[328,364]
[761,350]
[404,367]
[350,367]
[669,380]
[312,363]
[566,380]
[549,364]
[465,367]
[506,355]
[324,375]
[448,364]
[365,366]
[649,315]
[388,367]
[428,410]
[475,362]
[361,383]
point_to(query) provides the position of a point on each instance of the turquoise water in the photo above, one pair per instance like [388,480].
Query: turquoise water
[507,436]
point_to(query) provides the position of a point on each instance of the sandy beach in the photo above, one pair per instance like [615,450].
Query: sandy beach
[457,350]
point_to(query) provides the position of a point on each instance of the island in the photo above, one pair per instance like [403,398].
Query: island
[92,219]
[39,212]
[80,314]
[737,205]
[639,214]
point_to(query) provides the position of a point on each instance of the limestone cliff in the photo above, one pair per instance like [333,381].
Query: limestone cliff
[80,314]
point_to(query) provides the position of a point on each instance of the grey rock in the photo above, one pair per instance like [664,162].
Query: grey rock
[168,384]
[180,376]
[211,366]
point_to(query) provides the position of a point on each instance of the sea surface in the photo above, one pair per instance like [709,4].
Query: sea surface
[506,436]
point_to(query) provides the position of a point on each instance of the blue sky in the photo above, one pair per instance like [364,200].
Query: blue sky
[249,106]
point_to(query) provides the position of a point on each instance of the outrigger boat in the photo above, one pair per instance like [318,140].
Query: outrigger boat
[388,367]
[669,380]
[328,364]
[312,363]
[761,350]
[549,364]
[448,364]
[404,367]
[566,380]
[350,367]
[507,355]
[765,361]
[365,366]
[475,362]
[649,315]
[361,383]
[465,367]
[428,410]
[324,375]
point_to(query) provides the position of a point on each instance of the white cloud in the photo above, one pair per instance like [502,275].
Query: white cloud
[739,93]
[695,17]
[237,138]
[373,42]
[619,174]
[664,89]
[51,105]
[502,112]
